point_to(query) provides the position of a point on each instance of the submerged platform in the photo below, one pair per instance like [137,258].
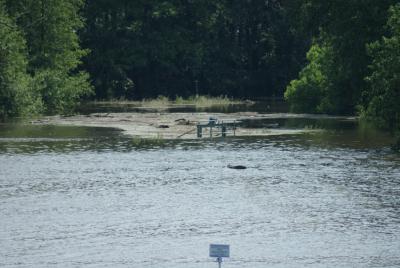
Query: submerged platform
[223,127]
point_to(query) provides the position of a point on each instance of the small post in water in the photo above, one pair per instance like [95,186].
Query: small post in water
[219,251]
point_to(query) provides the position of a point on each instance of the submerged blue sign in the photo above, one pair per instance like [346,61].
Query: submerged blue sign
[219,251]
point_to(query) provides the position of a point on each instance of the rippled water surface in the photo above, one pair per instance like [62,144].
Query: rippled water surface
[74,197]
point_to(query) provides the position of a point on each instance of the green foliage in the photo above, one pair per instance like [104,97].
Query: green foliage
[16,96]
[49,55]
[142,49]
[60,92]
[319,86]
[306,93]
[383,91]
[343,28]
[50,27]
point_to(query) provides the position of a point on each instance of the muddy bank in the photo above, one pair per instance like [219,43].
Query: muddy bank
[177,125]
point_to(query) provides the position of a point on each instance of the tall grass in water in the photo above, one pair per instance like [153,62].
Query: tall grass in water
[162,101]
[205,100]
[144,142]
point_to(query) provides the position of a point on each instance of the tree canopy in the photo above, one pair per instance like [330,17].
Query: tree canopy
[382,92]
[43,56]
[149,48]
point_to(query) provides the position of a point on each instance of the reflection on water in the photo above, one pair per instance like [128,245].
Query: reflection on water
[336,132]
[75,196]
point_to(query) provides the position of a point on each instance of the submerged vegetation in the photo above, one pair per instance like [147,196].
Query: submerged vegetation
[148,142]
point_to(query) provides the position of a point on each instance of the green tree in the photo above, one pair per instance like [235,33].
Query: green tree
[144,48]
[16,95]
[54,54]
[345,26]
[250,48]
[383,91]
[306,93]
[147,48]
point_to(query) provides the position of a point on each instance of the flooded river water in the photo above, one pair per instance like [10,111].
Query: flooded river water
[93,197]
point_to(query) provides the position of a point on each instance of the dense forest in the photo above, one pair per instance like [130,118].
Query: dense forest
[150,47]
[335,57]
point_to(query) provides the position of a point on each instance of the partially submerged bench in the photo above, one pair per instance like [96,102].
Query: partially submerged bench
[223,126]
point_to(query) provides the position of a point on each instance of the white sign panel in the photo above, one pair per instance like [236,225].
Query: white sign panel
[219,251]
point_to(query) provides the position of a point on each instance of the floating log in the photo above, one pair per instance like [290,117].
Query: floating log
[237,166]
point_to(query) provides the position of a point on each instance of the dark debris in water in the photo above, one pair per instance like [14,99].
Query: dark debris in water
[236,166]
